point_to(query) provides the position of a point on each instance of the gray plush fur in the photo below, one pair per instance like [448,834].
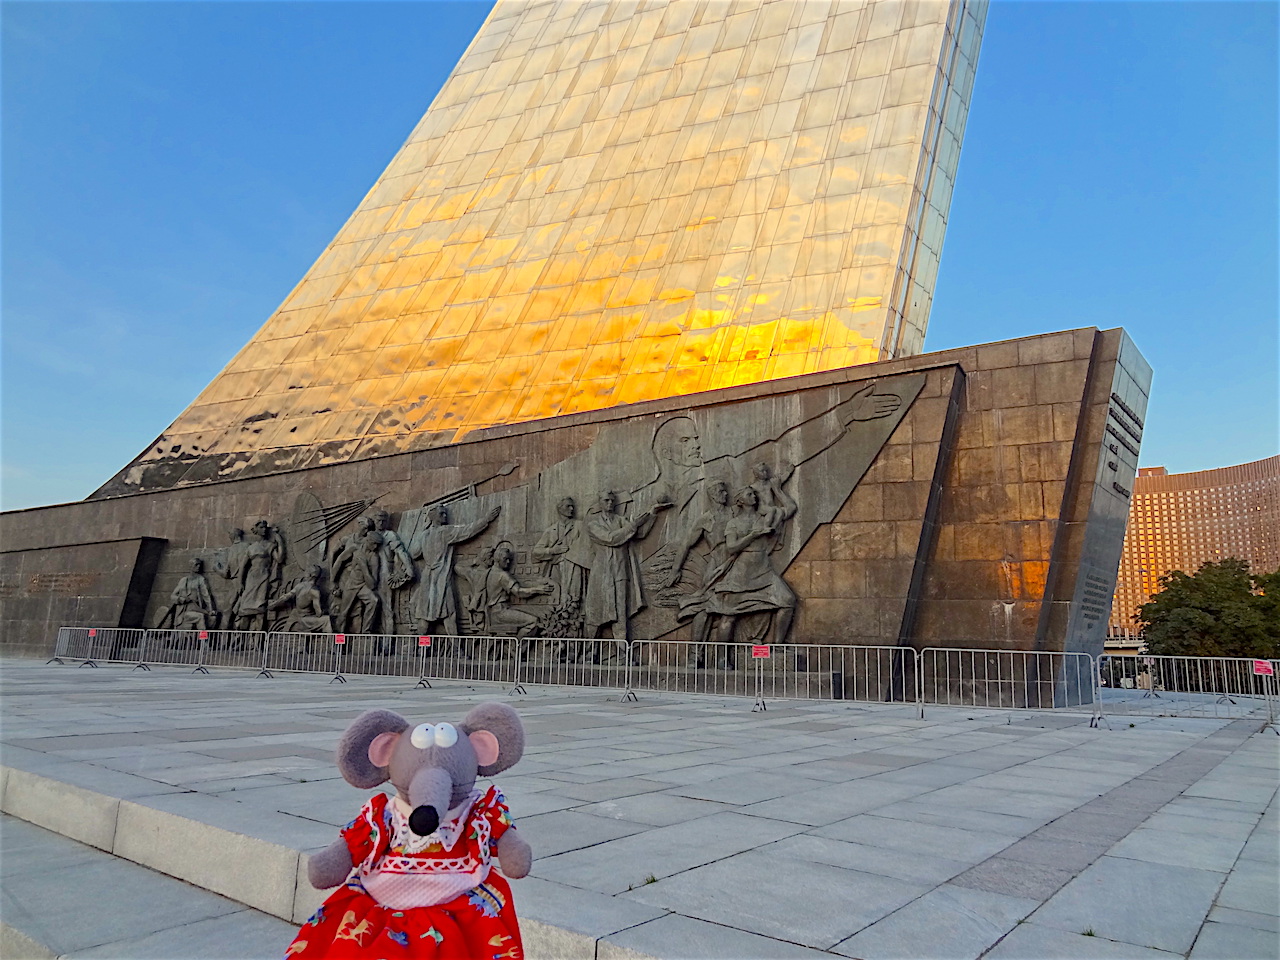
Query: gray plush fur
[504,723]
[353,748]
[436,777]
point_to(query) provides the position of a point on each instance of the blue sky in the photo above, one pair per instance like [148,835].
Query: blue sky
[170,170]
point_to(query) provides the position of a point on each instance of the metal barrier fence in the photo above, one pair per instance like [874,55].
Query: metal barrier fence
[575,662]
[990,679]
[91,644]
[675,666]
[1006,679]
[1225,687]
[872,674]
[204,648]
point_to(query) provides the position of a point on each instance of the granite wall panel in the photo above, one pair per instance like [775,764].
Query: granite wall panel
[105,584]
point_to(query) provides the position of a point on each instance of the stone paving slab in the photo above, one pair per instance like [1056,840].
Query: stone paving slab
[689,827]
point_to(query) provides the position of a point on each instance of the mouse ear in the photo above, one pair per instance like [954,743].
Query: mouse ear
[500,722]
[356,750]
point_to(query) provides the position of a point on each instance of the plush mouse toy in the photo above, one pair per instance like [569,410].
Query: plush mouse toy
[422,884]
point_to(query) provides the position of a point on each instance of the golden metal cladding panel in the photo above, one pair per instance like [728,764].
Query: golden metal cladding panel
[611,202]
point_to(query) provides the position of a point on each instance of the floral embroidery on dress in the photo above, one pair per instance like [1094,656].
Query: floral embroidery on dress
[487,900]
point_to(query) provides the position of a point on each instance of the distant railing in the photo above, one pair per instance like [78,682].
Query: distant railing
[1006,679]
[938,676]
[1224,687]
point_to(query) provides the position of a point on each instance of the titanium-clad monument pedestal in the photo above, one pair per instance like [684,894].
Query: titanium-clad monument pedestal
[970,498]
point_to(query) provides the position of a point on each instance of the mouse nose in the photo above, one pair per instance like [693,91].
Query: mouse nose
[424,820]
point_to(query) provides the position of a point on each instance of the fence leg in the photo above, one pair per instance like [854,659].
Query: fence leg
[423,683]
[142,654]
[518,689]
[88,660]
[58,650]
[760,706]
[1097,720]
[627,694]
[919,671]
[1272,688]
[337,665]
[200,667]
[264,672]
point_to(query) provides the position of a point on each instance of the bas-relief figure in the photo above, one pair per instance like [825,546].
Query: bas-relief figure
[473,596]
[748,583]
[397,572]
[500,588]
[615,592]
[435,601]
[307,602]
[344,576]
[362,569]
[191,605]
[231,567]
[839,441]
[708,528]
[564,554]
[259,576]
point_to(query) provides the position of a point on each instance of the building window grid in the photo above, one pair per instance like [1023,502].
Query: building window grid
[1182,528]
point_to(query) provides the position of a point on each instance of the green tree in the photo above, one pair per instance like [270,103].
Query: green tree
[1219,611]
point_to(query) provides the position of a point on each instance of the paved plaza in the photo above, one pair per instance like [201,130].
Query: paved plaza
[164,814]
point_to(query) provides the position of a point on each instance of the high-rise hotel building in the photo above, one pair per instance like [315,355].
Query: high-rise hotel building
[1178,521]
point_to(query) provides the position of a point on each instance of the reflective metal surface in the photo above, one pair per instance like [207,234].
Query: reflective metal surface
[611,202]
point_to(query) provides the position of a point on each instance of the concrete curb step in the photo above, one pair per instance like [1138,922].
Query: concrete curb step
[65,899]
[254,871]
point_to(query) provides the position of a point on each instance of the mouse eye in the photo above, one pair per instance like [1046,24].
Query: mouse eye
[446,735]
[423,736]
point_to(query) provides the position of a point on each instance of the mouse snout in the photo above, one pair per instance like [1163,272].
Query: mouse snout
[424,820]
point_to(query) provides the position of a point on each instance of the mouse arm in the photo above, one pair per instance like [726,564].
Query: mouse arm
[514,855]
[330,866]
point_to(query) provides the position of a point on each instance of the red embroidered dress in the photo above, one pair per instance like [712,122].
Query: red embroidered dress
[410,897]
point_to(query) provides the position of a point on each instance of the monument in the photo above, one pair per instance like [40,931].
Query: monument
[624,343]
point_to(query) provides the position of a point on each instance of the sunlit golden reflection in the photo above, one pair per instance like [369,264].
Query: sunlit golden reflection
[612,202]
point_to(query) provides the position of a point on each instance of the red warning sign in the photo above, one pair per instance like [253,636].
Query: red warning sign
[760,652]
[339,638]
[204,634]
[424,641]
[93,632]
[1263,668]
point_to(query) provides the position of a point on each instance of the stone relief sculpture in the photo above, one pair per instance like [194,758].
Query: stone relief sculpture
[342,575]
[564,554]
[747,583]
[259,577]
[307,602]
[473,597]
[614,591]
[673,554]
[680,467]
[231,567]
[677,449]
[191,605]
[435,602]
[708,528]
[564,551]
[363,574]
[500,588]
[397,571]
